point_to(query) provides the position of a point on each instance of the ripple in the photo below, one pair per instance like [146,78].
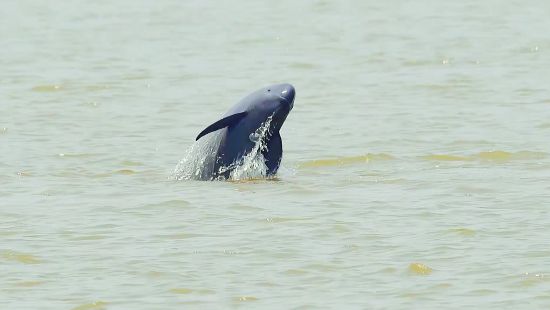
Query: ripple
[482,292]
[246,298]
[489,156]
[507,156]
[131,163]
[116,172]
[284,219]
[133,77]
[388,270]
[170,203]
[444,157]
[181,291]
[47,88]
[420,269]
[76,155]
[321,267]
[531,279]
[342,161]
[125,171]
[416,63]
[255,180]
[97,87]
[244,207]
[185,291]
[20,257]
[302,65]
[463,231]
[469,189]
[89,237]
[96,305]
[539,253]
[296,272]
[7,233]
[29,283]
[179,236]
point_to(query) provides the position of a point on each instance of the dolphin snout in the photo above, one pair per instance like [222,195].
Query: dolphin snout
[287,93]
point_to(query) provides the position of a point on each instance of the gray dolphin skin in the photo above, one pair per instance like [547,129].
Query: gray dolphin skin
[238,130]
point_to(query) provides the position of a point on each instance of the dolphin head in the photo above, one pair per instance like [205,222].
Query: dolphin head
[276,102]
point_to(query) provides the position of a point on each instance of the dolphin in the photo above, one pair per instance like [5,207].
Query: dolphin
[254,121]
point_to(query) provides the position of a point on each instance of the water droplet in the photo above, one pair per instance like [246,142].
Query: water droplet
[254,137]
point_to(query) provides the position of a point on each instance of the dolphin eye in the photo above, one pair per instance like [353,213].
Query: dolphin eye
[269,90]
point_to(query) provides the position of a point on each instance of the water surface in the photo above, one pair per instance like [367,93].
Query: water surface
[415,172]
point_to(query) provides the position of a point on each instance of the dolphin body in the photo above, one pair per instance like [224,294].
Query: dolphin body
[240,130]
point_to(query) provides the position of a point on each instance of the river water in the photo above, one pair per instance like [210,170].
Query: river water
[416,159]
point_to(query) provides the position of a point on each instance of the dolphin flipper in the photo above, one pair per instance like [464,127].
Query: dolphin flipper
[273,153]
[224,122]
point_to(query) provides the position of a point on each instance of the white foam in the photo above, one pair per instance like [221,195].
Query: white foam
[196,163]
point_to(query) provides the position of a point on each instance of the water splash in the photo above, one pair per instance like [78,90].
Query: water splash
[252,165]
[200,159]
